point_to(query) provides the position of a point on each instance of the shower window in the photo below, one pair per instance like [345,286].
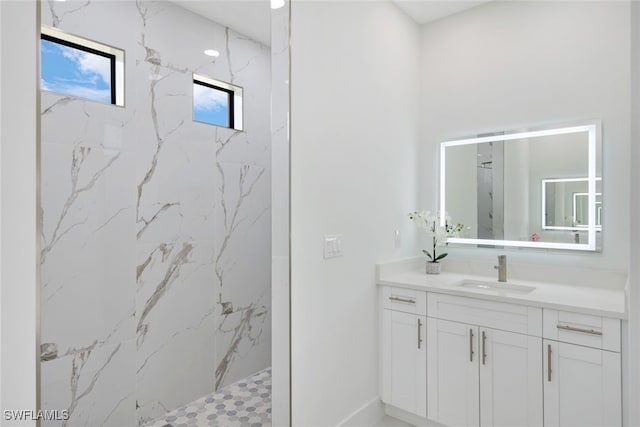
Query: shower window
[217,103]
[73,66]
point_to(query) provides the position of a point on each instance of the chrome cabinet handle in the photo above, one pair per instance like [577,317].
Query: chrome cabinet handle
[584,331]
[407,300]
[549,363]
[484,352]
[471,345]
[419,333]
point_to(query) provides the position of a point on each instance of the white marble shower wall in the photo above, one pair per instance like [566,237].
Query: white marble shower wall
[156,229]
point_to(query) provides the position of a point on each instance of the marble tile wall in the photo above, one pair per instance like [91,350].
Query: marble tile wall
[156,265]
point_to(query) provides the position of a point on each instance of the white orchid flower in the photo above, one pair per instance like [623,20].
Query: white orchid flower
[438,234]
[441,235]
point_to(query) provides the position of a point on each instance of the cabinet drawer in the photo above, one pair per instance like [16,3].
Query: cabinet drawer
[582,329]
[405,300]
[490,314]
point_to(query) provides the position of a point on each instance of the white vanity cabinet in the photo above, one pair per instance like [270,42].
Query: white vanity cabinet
[469,361]
[482,367]
[510,389]
[452,369]
[403,349]
[582,384]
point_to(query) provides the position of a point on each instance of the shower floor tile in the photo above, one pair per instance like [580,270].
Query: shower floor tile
[245,403]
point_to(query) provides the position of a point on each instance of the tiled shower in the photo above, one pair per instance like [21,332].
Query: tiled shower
[156,230]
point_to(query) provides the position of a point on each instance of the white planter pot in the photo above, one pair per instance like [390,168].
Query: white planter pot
[433,267]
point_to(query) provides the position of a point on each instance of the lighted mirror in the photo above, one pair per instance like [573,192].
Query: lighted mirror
[565,204]
[533,188]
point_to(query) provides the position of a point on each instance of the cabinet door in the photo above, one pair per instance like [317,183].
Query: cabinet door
[582,386]
[404,361]
[510,379]
[452,369]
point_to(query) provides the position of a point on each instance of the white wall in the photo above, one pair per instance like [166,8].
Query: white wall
[18,160]
[1,102]
[280,281]
[506,65]
[633,377]
[354,135]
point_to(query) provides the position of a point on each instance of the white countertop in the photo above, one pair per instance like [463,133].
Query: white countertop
[587,300]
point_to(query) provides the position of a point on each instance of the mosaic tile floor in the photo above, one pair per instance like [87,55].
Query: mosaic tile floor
[246,403]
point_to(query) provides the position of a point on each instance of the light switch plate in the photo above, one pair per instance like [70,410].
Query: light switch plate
[333,246]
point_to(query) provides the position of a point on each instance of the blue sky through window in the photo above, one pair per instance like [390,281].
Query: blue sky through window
[74,72]
[210,105]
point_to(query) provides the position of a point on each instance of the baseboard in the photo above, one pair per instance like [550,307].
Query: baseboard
[407,417]
[367,415]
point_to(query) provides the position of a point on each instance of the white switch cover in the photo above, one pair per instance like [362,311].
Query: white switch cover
[396,239]
[333,246]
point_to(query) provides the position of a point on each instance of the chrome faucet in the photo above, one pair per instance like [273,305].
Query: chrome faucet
[502,268]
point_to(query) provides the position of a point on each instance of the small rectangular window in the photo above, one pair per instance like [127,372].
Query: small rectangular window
[217,103]
[77,67]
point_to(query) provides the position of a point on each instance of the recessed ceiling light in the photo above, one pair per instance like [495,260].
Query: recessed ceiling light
[277,4]
[212,52]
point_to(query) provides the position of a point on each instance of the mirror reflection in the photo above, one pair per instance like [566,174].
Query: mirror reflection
[531,188]
[565,204]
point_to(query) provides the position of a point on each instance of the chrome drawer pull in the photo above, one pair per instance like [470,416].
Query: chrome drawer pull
[584,331]
[408,301]
[419,333]
[484,350]
[549,363]
[470,345]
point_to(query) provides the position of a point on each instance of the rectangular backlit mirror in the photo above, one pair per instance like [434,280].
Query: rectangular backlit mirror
[565,204]
[534,188]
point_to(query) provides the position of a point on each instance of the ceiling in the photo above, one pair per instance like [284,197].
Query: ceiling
[423,11]
[252,17]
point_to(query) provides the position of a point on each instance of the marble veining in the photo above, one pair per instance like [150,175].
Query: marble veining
[160,140]
[79,155]
[172,273]
[231,221]
[78,363]
[239,331]
[156,229]
[226,45]
[57,18]
[59,102]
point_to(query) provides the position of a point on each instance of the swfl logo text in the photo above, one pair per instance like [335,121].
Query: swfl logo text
[31,415]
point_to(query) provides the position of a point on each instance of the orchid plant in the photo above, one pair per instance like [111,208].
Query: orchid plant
[439,234]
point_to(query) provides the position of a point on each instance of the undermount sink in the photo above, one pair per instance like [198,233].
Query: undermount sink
[496,286]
